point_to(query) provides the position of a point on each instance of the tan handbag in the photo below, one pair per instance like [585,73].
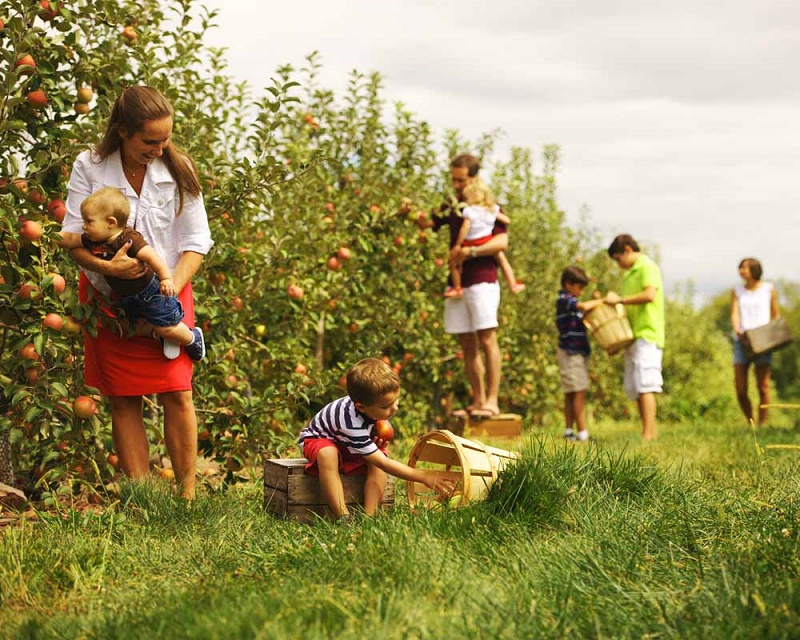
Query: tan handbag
[773,335]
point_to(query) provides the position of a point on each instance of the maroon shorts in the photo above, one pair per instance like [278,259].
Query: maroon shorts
[349,463]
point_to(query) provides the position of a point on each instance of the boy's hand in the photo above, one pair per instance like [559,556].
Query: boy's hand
[167,287]
[442,485]
[382,444]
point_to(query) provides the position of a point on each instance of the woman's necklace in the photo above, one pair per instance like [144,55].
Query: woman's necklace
[130,172]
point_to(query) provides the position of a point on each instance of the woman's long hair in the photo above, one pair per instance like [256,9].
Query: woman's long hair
[135,106]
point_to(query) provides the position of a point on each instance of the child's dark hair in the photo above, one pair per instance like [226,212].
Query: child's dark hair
[369,379]
[620,242]
[466,161]
[756,270]
[574,275]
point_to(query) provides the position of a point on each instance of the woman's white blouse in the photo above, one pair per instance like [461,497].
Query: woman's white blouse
[153,213]
[755,305]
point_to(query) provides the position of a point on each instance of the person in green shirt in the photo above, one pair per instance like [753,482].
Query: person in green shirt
[642,292]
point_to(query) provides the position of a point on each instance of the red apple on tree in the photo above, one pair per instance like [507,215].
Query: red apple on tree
[28,352]
[71,326]
[84,95]
[37,98]
[30,230]
[84,407]
[129,34]
[301,369]
[334,264]
[294,292]
[59,284]
[383,430]
[57,209]
[26,64]
[344,253]
[82,108]
[53,321]
[47,11]
[28,291]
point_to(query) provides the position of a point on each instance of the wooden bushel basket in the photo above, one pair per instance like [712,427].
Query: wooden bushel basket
[773,335]
[610,327]
[471,465]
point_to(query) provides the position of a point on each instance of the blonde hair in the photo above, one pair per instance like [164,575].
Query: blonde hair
[134,107]
[369,379]
[478,193]
[109,202]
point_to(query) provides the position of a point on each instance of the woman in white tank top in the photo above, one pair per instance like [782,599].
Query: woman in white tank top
[753,304]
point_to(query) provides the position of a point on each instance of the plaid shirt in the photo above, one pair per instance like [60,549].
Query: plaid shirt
[569,320]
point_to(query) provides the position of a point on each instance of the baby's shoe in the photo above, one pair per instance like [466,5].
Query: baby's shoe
[171,348]
[196,350]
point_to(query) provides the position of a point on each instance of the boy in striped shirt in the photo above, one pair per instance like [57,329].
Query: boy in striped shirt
[340,439]
[573,350]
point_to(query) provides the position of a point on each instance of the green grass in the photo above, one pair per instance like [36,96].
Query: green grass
[695,535]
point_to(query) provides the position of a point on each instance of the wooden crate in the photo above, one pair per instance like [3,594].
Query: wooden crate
[291,493]
[505,425]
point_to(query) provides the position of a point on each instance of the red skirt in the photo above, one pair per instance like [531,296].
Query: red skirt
[134,366]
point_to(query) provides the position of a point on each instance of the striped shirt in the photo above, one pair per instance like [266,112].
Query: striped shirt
[569,320]
[341,422]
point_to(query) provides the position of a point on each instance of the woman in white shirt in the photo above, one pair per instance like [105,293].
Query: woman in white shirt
[136,156]
[754,303]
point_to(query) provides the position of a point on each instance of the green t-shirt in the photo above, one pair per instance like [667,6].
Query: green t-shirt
[647,320]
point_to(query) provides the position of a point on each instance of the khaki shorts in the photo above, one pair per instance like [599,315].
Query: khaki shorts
[574,370]
[475,311]
[643,369]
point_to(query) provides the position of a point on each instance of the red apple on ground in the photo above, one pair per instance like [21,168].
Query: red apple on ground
[383,430]
[30,230]
[113,460]
[53,321]
[84,407]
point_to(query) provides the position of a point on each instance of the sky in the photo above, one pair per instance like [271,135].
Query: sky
[677,122]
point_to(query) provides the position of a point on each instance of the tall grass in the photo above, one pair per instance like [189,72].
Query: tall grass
[616,539]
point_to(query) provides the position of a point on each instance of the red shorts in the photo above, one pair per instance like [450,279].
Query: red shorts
[349,463]
[134,366]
